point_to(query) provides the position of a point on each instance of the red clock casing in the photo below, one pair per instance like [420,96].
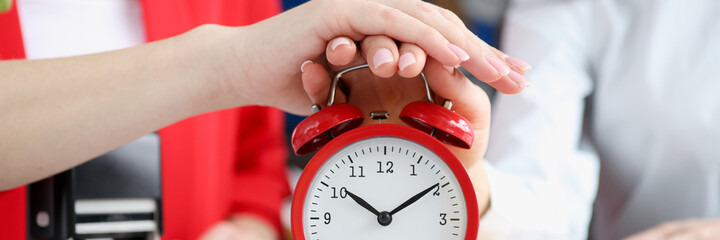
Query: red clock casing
[385,130]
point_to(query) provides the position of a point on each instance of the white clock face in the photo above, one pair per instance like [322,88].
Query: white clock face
[384,188]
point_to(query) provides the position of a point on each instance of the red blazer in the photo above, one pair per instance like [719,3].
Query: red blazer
[213,164]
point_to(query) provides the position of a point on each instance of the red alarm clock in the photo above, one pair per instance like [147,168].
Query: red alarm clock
[383,181]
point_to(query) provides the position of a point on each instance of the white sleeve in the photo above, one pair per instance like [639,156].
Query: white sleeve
[542,179]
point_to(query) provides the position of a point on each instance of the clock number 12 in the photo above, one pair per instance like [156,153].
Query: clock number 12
[389,164]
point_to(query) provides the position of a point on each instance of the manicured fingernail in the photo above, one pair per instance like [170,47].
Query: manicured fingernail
[518,63]
[381,57]
[451,70]
[461,54]
[519,79]
[339,41]
[406,60]
[499,66]
[302,67]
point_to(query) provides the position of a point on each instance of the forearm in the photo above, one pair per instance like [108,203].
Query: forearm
[58,113]
[72,109]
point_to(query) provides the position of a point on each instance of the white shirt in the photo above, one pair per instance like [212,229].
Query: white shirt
[623,110]
[61,28]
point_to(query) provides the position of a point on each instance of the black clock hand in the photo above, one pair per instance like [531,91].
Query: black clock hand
[363,203]
[413,199]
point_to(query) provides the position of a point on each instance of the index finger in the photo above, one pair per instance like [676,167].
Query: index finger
[485,62]
[388,21]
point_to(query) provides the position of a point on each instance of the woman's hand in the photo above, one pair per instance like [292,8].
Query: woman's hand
[392,83]
[262,64]
[241,227]
[101,101]
[688,229]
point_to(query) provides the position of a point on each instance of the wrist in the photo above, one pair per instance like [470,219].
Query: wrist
[200,57]
[255,224]
[479,177]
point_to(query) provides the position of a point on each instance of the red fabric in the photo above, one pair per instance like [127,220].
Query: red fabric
[11,42]
[213,164]
[12,202]
[206,176]
[201,193]
[12,214]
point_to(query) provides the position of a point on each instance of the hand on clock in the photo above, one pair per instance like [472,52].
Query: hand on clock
[371,92]
[363,203]
[413,199]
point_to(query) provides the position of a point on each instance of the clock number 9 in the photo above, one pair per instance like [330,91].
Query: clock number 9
[389,164]
[327,218]
[343,193]
[443,221]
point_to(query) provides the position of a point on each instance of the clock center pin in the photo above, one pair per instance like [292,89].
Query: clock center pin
[384,218]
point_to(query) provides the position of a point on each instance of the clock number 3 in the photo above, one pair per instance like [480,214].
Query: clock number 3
[443,221]
[360,169]
[389,164]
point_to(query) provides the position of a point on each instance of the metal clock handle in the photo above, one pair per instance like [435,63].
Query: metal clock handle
[331,99]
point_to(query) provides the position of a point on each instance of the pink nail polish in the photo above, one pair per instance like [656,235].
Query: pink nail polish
[499,66]
[459,52]
[518,63]
[381,57]
[519,79]
[406,60]
[339,41]
[450,70]
[302,67]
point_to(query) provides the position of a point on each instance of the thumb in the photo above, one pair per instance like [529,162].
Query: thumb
[469,100]
[316,82]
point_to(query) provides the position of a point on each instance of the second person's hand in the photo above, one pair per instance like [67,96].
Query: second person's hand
[685,229]
[370,92]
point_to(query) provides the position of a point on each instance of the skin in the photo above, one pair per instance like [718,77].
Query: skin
[241,227]
[688,229]
[386,87]
[58,113]
[371,91]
